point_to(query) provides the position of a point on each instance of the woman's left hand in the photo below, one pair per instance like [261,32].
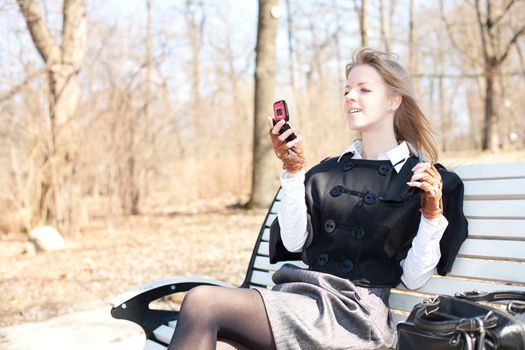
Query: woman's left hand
[427,178]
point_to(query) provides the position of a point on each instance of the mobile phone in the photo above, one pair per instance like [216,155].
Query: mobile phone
[280,112]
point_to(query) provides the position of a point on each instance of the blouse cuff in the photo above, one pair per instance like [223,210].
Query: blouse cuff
[432,229]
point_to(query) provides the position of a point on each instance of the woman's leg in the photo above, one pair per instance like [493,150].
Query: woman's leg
[210,312]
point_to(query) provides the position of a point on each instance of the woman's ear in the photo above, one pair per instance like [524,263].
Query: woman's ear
[395,102]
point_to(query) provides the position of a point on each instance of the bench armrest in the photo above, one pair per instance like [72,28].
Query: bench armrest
[133,305]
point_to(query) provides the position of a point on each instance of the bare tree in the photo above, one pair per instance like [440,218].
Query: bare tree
[386,35]
[63,64]
[493,58]
[265,72]
[494,51]
[363,21]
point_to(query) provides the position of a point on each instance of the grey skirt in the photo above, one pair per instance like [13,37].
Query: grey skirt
[314,310]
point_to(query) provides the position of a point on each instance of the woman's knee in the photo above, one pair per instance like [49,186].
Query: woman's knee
[196,302]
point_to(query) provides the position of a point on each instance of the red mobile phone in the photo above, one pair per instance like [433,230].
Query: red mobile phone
[280,112]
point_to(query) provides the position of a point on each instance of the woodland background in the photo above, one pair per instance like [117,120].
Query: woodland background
[138,128]
[112,108]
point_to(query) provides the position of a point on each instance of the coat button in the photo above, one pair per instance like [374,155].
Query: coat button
[348,166]
[384,169]
[358,232]
[322,259]
[370,198]
[329,226]
[348,266]
[337,191]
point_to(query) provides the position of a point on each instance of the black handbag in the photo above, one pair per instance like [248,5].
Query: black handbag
[461,323]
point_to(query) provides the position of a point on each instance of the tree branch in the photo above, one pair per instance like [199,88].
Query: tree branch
[17,88]
[505,10]
[509,45]
[39,31]
[482,32]
[451,36]
[74,32]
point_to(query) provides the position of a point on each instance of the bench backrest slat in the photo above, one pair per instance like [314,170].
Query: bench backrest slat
[492,258]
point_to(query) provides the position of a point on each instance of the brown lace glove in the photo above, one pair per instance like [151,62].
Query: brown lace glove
[428,179]
[291,153]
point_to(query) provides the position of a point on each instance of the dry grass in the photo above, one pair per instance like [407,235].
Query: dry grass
[106,260]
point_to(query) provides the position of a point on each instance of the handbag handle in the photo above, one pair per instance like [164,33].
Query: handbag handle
[475,324]
[477,295]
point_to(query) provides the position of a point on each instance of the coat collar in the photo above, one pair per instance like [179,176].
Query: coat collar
[397,155]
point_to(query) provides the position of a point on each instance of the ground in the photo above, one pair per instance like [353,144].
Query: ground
[108,259]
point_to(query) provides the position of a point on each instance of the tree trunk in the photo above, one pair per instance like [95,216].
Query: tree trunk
[363,21]
[489,139]
[413,51]
[63,63]
[265,72]
[385,26]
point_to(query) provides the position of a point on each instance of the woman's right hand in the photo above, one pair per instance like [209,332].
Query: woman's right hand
[291,153]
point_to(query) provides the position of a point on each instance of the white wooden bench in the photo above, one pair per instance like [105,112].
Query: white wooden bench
[492,257]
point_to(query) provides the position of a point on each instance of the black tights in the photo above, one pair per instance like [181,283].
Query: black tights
[222,318]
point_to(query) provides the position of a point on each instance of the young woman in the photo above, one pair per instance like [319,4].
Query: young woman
[363,222]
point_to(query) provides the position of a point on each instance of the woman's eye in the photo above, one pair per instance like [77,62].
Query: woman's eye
[346,93]
[365,90]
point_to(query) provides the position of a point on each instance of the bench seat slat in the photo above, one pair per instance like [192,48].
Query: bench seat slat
[490,171]
[504,271]
[164,333]
[471,247]
[151,345]
[495,189]
[404,302]
[510,209]
[262,277]
[490,228]
[493,249]
[497,228]
[263,263]
[269,220]
[398,317]
[438,285]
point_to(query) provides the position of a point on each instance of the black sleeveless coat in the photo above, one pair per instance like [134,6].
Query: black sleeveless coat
[362,218]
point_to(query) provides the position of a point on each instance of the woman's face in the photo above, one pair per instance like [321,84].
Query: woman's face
[367,100]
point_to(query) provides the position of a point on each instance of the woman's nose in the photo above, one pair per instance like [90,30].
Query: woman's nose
[351,96]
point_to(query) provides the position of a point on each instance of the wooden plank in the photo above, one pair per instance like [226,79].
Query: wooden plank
[497,228]
[504,271]
[404,302]
[493,249]
[266,234]
[398,317]
[510,209]
[275,207]
[495,189]
[451,286]
[262,278]
[264,249]
[151,345]
[164,333]
[269,220]
[263,263]
[491,171]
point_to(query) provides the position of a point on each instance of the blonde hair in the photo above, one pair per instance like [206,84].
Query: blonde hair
[410,124]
